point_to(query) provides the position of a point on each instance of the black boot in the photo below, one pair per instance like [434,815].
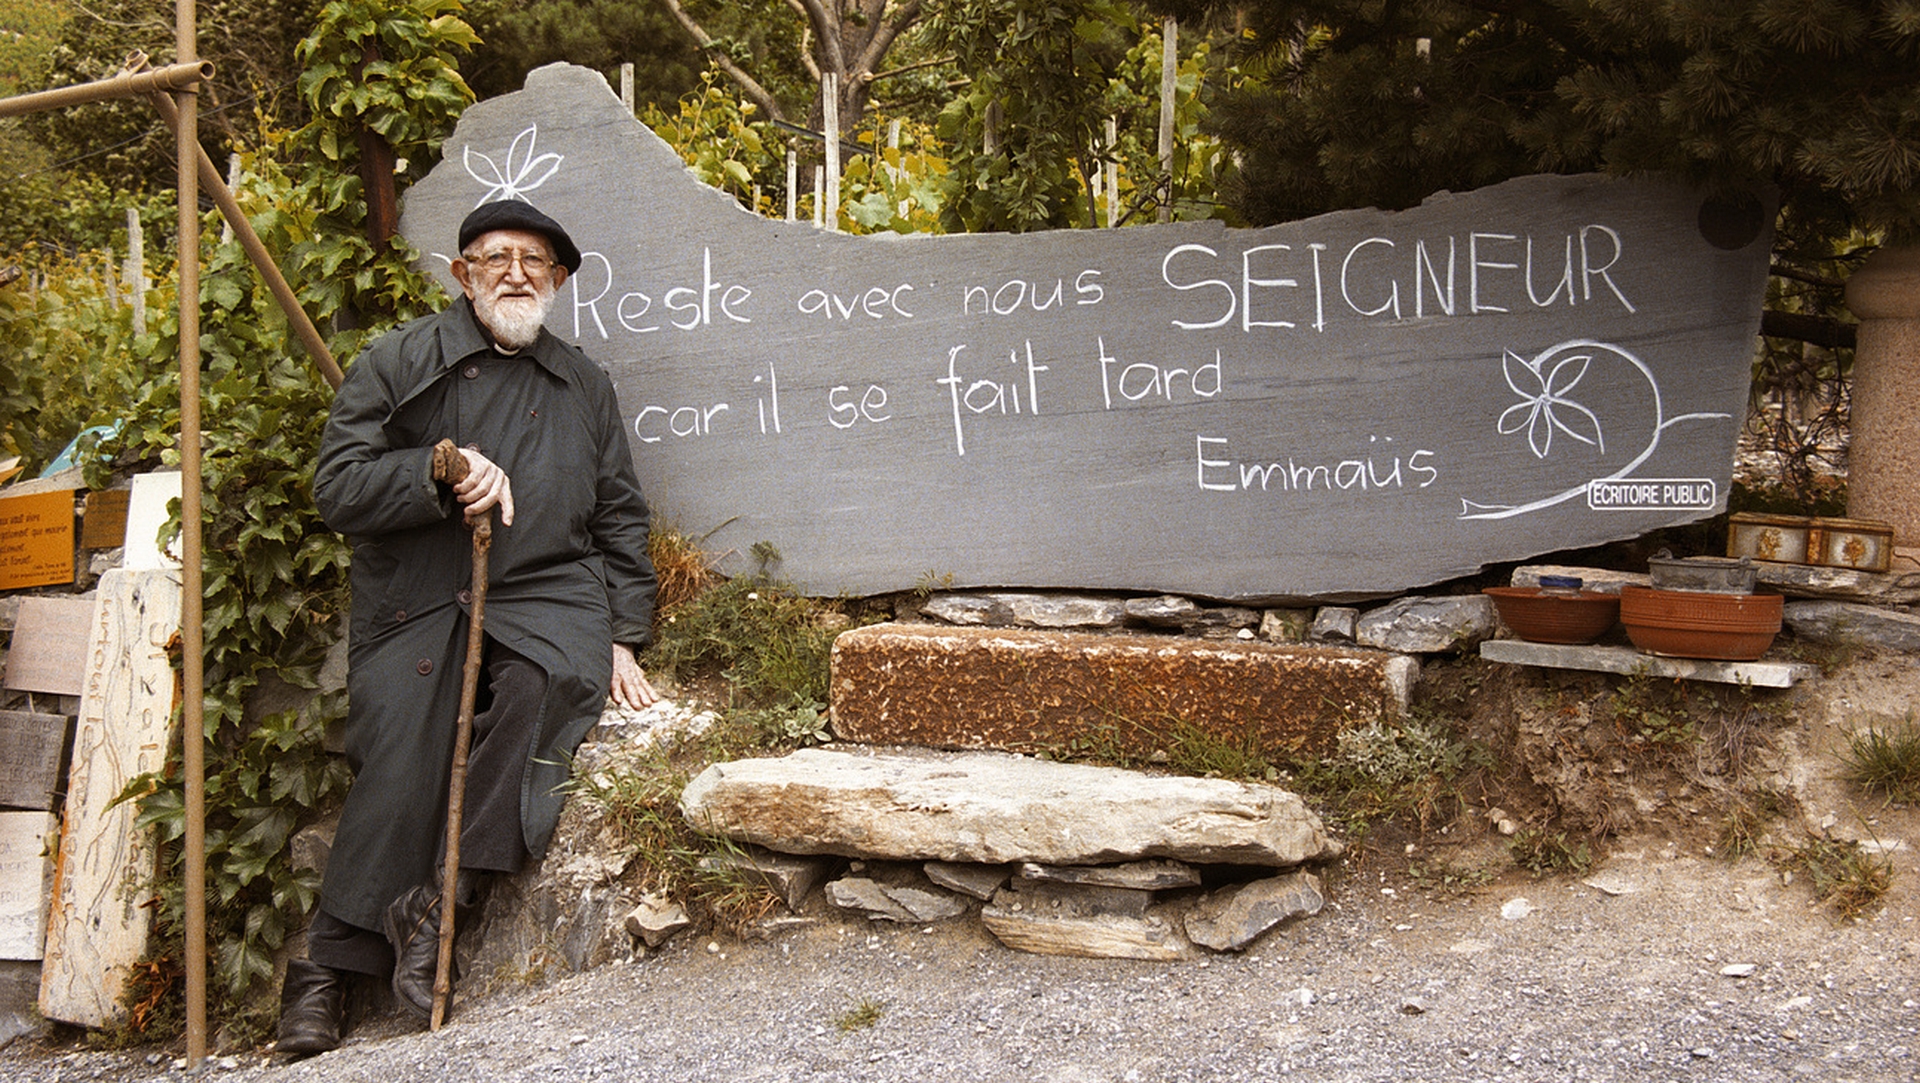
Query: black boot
[413,928]
[313,1009]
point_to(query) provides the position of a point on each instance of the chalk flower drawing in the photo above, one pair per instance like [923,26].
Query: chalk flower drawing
[519,176]
[1539,393]
[1544,408]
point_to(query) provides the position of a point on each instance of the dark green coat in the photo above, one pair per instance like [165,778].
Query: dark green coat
[568,579]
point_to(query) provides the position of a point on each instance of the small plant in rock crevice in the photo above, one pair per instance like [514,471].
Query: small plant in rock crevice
[859,1017]
[1387,769]
[636,791]
[1543,853]
[1885,761]
[1843,874]
[771,644]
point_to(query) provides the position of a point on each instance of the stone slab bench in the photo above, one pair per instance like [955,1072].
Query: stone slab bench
[1627,661]
[990,808]
[1023,690]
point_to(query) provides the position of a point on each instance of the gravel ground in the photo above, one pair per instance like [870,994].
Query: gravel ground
[1632,974]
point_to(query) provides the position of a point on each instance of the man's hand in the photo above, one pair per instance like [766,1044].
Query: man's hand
[630,687]
[484,486]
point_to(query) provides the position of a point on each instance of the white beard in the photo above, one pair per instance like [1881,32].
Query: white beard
[514,321]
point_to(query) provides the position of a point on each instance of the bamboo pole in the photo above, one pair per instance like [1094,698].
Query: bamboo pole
[256,250]
[192,597]
[174,78]
[1169,72]
[830,115]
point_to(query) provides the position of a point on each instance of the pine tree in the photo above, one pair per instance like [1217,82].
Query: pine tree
[1357,102]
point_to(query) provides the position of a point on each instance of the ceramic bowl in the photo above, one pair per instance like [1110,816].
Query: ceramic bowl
[1542,616]
[1700,624]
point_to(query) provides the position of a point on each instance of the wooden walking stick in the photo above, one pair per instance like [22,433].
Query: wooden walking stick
[451,466]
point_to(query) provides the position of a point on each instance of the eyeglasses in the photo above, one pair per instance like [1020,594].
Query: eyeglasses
[495,263]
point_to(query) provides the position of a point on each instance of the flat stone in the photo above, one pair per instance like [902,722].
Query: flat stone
[1225,620]
[1083,900]
[1137,875]
[1900,586]
[1854,624]
[1626,660]
[791,877]
[988,808]
[1030,691]
[1026,610]
[1059,919]
[1334,624]
[1164,611]
[1232,918]
[1599,580]
[1423,625]
[978,881]
[868,897]
[655,920]
[886,902]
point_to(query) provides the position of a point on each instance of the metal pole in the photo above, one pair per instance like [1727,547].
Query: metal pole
[256,249]
[193,700]
[184,76]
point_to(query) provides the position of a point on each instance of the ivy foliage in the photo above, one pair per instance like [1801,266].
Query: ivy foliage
[275,576]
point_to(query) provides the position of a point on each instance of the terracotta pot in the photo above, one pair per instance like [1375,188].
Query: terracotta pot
[1699,624]
[1541,616]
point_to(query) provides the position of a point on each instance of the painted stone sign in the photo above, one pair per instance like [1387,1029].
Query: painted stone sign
[1356,403]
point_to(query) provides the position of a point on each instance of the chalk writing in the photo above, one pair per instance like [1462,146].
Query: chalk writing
[1145,380]
[1370,286]
[691,307]
[984,396]
[518,176]
[1019,295]
[874,303]
[1221,475]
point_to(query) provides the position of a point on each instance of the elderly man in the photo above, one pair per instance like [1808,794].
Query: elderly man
[569,601]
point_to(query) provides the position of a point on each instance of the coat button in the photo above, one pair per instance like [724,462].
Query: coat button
[424,667]
[470,371]
[466,597]
[399,614]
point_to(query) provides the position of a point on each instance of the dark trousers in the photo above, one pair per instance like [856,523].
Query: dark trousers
[506,723]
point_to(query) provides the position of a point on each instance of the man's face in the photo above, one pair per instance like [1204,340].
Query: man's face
[511,277]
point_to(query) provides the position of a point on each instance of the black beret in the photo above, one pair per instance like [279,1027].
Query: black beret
[514,214]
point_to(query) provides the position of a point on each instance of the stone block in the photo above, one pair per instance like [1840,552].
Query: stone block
[1334,624]
[1027,610]
[1133,875]
[1428,625]
[1232,918]
[978,881]
[1094,923]
[792,878]
[1029,691]
[1852,623]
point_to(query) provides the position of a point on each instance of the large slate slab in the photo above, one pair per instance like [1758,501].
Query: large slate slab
[989,808]
[1350,405]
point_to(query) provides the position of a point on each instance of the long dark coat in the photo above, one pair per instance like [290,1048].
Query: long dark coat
[568,579]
